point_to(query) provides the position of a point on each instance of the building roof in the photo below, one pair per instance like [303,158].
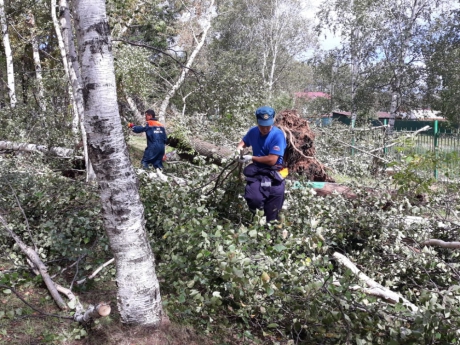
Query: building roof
[312,95]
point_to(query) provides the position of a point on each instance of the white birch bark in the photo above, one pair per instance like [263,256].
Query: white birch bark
[58,151]
[138,297]
[8,55]
[37,62]
[441,243]
[206,26]
[132,105]
[73,68]
[37,264]
[374,288]
[62,50]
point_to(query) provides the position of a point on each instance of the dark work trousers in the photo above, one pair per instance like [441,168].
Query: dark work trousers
[153,154]
[271,203]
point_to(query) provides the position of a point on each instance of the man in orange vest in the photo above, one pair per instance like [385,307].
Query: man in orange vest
[156,140]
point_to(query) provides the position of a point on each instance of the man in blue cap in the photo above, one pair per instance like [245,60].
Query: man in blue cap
[265,176]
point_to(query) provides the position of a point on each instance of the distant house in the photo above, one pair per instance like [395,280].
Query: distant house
[305,102]
[311,95]
[423,114]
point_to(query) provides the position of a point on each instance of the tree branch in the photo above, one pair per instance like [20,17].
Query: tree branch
[375,289]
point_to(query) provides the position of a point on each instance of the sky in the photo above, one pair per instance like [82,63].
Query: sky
[327,40]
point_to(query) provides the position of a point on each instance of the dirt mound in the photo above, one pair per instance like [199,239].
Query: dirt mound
[300,152]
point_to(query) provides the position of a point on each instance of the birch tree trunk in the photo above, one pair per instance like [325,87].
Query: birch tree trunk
[74,74]
[37,62]
[132,105]
[8,56]
[62,50]
[185,70]
[138,296]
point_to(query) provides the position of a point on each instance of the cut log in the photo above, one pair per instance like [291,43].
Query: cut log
[81,315]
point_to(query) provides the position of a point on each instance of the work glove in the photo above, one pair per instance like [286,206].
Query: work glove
[237,154]
[130,125]
[245,159]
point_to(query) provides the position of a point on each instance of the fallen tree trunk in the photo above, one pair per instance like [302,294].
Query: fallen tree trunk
[213,153]
[56,151]
[299,156]
[38,264]
[81,315]
[441,243]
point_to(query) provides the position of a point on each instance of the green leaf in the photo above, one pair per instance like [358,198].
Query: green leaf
[243,238]
[237,272]
[7,291]
[279,247]
[272,325]
[269,291]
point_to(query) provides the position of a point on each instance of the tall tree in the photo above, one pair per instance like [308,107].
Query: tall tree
[139,300]
[72,68]
[442,55]
[36,57]
[8,55]
[384,42]
[254,47]
[199,38]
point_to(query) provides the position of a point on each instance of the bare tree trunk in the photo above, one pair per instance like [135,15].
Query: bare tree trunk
[164,105]
[37,62]
[75,80]
[132,105]
[8,55]
[139,300]
[57,28]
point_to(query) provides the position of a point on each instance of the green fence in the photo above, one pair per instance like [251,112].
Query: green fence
[440,140]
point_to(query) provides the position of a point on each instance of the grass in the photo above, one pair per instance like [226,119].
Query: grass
[136,146]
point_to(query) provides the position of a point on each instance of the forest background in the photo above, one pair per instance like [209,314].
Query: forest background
[205,66]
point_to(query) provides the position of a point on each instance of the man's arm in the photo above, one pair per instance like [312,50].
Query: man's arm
[241,146]
[139,129]
[268,160]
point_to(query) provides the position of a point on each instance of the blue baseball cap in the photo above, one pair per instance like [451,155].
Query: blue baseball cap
[265,116]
